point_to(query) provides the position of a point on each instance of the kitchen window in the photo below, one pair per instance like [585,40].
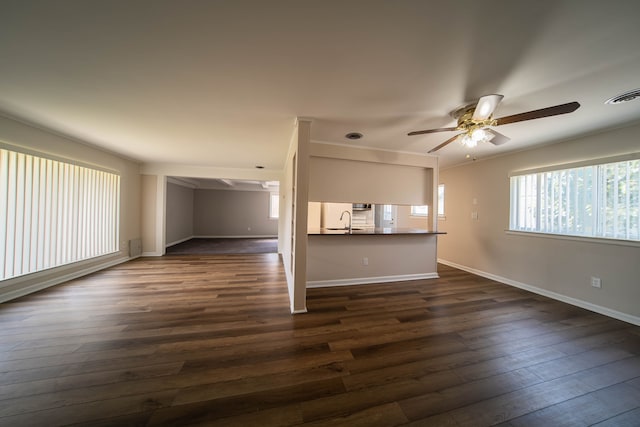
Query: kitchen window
[420,210]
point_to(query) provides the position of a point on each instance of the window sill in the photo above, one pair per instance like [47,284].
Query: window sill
[596,240]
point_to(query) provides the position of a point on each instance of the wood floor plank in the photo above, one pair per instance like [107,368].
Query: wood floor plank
[467,393]
[211,410]
[89,412]
[589,409]
[626,419]
[384,415]
[33,389]
[209,340]
[541,395]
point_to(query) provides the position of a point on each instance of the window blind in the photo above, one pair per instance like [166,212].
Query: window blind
[54,213]
[601,200]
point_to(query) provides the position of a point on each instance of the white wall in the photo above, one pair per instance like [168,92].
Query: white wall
[557,267]
[17,134]
[228,213]
[180,200]
[406,220]
[294,196]
[148,215]
[285,228]
[353,181]
[338,259]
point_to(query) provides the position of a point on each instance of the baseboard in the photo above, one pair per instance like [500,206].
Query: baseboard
[366,280]
[178,242]
[550,294]
[151,254]
[291,289]
[35,287]
[254,236]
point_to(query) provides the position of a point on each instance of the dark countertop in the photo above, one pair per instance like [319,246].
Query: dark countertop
[371,231]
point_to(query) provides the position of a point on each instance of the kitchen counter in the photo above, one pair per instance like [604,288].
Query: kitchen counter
[384,255]
[371,231]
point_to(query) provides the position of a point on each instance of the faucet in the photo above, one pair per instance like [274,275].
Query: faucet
[342,215]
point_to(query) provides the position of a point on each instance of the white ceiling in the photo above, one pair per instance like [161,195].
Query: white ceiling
[220,83]
[226,184]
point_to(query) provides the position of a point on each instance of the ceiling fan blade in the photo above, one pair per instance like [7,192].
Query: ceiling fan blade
[447,142]
[496,137]
[538,114]
[421,132]
[486,106]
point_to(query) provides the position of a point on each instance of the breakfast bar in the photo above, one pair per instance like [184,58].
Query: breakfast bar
[338,257]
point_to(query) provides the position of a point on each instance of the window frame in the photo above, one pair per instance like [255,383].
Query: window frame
[53,215]
[586,188]
[416,213]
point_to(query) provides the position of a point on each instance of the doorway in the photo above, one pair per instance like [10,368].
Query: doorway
[221,216]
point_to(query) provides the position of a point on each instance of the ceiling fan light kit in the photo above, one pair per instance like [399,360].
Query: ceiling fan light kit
[468,141]
[475,120]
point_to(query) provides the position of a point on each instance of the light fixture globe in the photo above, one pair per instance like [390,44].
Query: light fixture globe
[478,135]
[468,141]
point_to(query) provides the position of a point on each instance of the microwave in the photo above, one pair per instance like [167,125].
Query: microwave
[361,206]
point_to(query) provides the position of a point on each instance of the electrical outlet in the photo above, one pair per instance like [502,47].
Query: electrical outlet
[596,282]
[365,261]
[474,215]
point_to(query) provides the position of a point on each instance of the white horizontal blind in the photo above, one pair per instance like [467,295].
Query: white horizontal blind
[54,213]
[619,194]
[601,200]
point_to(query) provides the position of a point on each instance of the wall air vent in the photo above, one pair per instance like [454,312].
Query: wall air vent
[624,97]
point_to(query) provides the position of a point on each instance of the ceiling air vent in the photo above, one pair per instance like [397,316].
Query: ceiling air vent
[624,97]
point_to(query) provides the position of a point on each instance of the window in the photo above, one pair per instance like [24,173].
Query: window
[441,200]
[387,212]
[599,200]
[54,213]
[420,210]
[274,205]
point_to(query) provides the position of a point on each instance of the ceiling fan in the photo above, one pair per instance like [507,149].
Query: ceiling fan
[475,119]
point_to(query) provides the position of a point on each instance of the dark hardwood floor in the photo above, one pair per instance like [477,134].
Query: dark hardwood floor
[217,246]
[209,340]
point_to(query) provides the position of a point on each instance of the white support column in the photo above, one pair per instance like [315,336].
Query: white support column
[161,215]
[300,219]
